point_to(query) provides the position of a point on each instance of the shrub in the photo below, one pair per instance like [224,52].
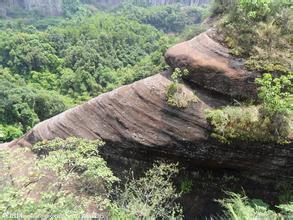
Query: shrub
[255,9]
[179,97]
[186,185]
[176,94]
[149,197]
[75,158]
[239,207]
[287,210]
[9,132]
[266,63]
[13,202]
[271,21]
[269,33]
[178,74]
[69,175]
[271,121]
[274,93]
[247,124]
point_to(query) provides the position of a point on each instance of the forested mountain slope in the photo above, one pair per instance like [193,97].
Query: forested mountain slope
[157,133]
[47,66]
[60,7]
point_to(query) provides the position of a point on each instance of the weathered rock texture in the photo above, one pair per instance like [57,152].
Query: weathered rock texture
[135,120]
[136,113]
[212,67]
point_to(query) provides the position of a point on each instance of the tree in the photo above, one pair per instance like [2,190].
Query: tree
[274,94]
[256,10]
[150,197]
[70,7]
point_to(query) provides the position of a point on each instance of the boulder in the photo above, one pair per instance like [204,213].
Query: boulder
[210,65]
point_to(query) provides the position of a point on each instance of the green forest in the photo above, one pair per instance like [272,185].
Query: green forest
[49,64]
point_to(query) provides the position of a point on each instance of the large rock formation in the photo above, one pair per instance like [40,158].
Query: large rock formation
[211,66]
[135,120]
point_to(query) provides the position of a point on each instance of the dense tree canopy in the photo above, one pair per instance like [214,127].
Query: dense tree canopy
[168,18]
[47,66]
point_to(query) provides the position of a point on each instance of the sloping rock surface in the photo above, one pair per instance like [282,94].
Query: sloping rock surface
[211,66]
[135,120]
[136,113]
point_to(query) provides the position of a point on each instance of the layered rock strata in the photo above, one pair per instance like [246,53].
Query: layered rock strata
[135,120]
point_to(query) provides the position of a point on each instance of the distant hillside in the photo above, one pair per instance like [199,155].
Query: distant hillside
[45,7]
[9,8]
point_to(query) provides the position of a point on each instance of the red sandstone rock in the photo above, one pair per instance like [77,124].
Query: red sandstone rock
[211,66]
[135,113]
[135,120]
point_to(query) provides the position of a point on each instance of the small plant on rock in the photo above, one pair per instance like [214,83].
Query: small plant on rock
[186,185]
[176,94]
[9,132]
[178,74]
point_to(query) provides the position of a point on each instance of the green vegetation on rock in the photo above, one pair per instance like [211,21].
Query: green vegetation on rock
[74,174]
[266,49]
[176,94]
[248,124]
[271,121]
[266,46]
[239,207]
